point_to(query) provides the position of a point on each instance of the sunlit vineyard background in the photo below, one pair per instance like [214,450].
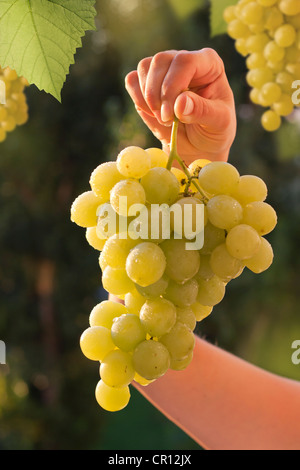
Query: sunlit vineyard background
[49,276]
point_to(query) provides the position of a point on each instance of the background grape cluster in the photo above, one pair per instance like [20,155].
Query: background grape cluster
[15,111]
[267,32]
[166,288]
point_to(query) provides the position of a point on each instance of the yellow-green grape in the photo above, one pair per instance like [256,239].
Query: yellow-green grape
[182,295]
[182,264]
[241,46]
[181,364]
[117,249]
[273,18]
[252,13]
[211,292]
[270,93]
[180,176]
[273,52]
[196,166]
[84,209]
[255,95]
[205,271]
[93,239]
[161,186]
[127,332]
[295,21]
[145,264]
[116,369]
[267,3]
[186,316]
[250,189]
[293,69]
[284,106]
[112,399]
[201,311]
[276,67]
[96,342]
[186,218]
[219,178]
[213,236]
[180,341]
[243,242]
[285,35]
[151,359]
[224,212]
[116,281]
[271,121]
[134,302]
[285,80]
[256,43]
[229,14]
[237,29]
[289,7]
[158,157]
[255,60]
[257,28]
[154,290]
[126,193]
[224,265]
[263,259]
[133,162]
[104,313]
[104,178]
[142,381]
[260,216]
[158,316]
[256,78]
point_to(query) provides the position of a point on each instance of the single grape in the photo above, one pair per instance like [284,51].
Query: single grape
[146,264]
[271,121]
[270,93]
[180,176]
[256,43]
[250,189]
[180,342]
[116,369]
[154,290]
[158,157]
[237,29]
[213,236]
[116,281]
[104,313]
[285,35]
[201,311]
[161,186]
[252,13]
[104,178]
[182,295]
[96,342]
[224,212]
[219,178]
[151,359]
[117,249]
[133,162]
[112,399]
[243,242]
[84,209]
[126,193]
[205,271]
[158,316]
[127,332]
[142,381]
[134,302]
[223,264]
[181,264]
[263,259]
[93,239]
[273,52]
[284,106]
[261,216]
[186,316]
[211,292]
[289,7]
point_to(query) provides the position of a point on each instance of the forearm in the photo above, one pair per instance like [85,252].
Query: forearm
[224,403]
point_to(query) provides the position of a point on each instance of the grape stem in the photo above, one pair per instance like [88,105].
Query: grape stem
[173,156]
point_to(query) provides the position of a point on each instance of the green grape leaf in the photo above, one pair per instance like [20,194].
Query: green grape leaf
[217,22]
[39,38]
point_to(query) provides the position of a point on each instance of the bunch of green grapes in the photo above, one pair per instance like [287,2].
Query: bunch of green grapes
[15,110]
[267,32]
[166,288]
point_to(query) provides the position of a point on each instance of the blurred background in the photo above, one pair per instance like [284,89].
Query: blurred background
[49,276]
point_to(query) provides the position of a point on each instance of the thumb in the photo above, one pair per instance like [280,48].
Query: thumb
[191,108]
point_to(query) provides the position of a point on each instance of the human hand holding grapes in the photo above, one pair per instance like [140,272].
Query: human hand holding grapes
[193,86]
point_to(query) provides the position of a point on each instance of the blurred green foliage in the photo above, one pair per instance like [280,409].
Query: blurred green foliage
[49,276]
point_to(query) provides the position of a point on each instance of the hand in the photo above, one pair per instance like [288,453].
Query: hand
[194,87]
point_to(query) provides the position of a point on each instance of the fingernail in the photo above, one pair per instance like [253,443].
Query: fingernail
[189,106]
[166,112]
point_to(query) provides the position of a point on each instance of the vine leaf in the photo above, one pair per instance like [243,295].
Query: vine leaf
[39,38]
[217,22]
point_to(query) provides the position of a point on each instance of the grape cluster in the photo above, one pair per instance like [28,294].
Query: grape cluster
[267,32]
[165,287]
[15,111]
